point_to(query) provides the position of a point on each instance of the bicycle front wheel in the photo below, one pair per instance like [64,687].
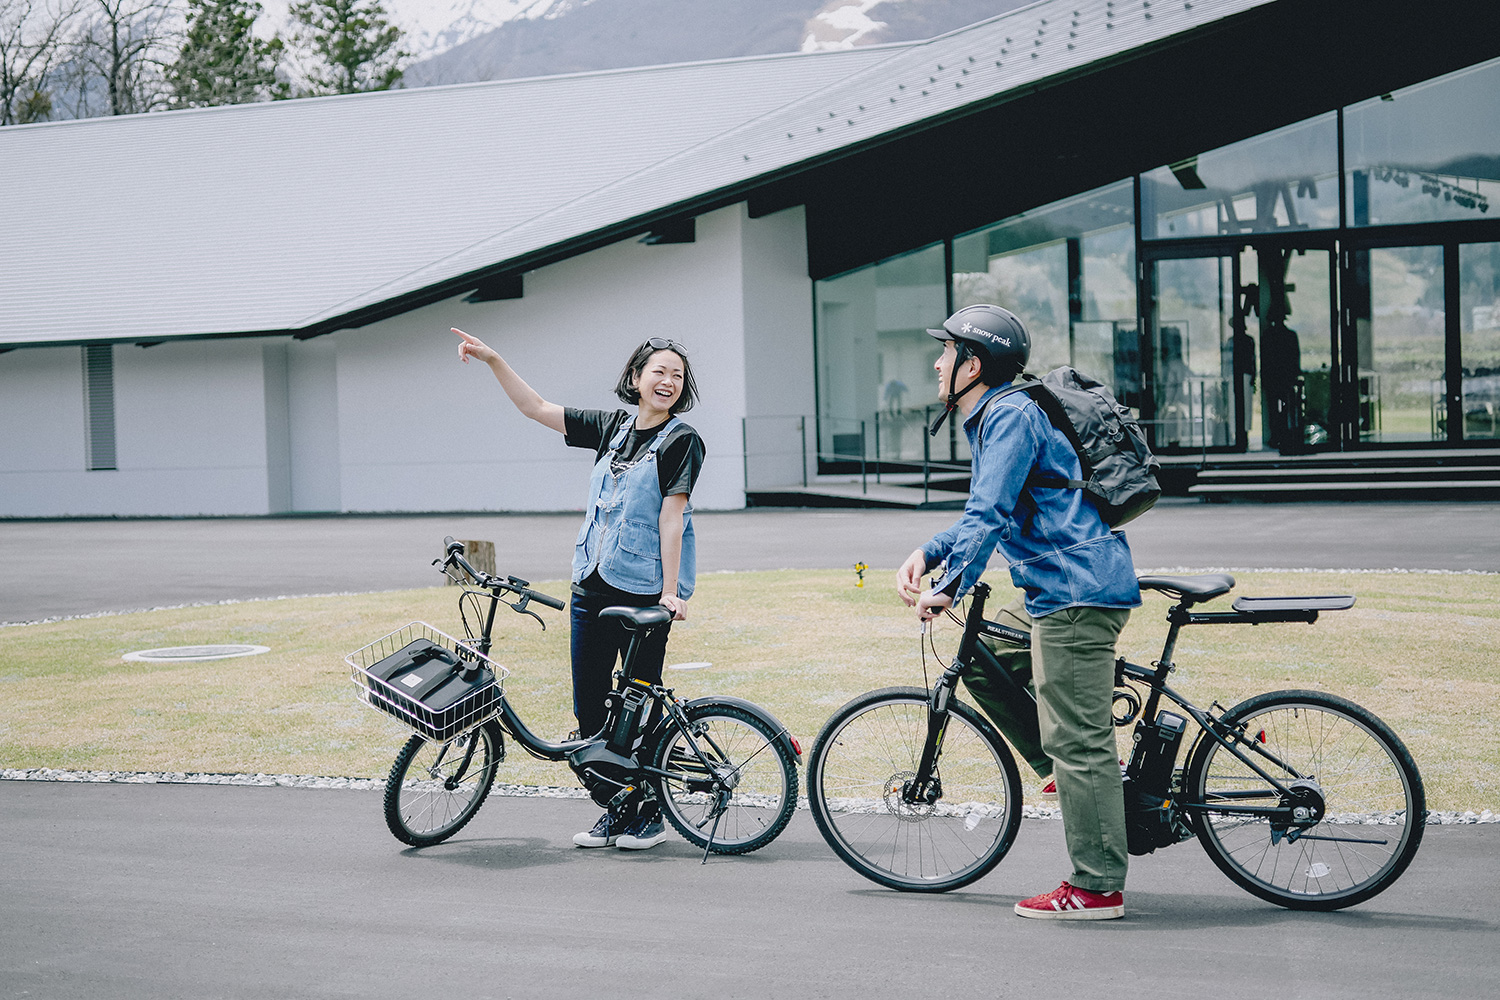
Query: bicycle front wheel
[737,792]
[1334,757]
[856,771]
[436,788]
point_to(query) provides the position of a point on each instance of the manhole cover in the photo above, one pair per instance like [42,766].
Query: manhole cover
[172,654]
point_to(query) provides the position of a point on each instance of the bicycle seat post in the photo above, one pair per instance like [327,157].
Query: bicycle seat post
[633,693]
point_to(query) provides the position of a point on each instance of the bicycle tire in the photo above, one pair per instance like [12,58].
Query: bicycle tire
[856,768]
[427,799]
[742,747]
[1375,806]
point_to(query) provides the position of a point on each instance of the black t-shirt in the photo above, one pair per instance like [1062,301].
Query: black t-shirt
[678,460]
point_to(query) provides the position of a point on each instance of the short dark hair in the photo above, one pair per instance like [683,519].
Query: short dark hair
[991,371]
[637,364]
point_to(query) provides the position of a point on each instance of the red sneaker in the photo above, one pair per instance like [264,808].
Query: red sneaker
[1068,902]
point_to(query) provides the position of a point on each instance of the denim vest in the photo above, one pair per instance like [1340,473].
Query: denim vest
[621,533]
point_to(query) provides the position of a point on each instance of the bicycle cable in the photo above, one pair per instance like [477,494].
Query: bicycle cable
[925,642]
[463,616]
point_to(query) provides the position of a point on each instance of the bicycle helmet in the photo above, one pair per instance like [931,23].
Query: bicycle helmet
[995,336]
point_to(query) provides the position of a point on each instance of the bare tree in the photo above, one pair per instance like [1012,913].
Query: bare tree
[33,35]
[120,57]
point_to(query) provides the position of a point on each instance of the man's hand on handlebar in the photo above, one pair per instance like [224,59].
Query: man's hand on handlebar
[909,577]
[932,604]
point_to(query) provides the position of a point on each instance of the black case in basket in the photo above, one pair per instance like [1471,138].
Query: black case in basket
[433,690]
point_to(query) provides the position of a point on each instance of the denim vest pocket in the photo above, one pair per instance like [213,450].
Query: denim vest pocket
[633,563]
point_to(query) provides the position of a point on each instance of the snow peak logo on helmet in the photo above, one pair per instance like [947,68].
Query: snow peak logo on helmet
[971,328]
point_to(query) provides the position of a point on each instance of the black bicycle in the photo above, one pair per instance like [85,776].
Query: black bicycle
[723,769]
[1303,798]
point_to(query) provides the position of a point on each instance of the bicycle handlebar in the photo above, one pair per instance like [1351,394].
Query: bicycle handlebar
[453,553]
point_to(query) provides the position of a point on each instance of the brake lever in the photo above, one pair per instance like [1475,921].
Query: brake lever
[521,608]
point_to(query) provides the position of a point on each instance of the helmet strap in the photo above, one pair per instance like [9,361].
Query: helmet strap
[953,398]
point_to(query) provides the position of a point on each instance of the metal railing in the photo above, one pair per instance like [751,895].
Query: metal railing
[782,450]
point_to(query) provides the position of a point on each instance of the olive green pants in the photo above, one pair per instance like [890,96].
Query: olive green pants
[1073,666]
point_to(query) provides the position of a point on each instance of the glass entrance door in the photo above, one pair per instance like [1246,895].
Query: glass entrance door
[1397,345]
[1242,349]
[1192,336]
[1296,308]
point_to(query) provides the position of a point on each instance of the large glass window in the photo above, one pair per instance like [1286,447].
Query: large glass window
[1479,326]
[1429,153]
[1068,270]
[875,357]
[1282,180]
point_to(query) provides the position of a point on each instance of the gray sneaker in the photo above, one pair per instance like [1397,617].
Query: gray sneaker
[604,834]
[642,834]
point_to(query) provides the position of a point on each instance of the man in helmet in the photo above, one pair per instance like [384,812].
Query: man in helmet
[1078,581]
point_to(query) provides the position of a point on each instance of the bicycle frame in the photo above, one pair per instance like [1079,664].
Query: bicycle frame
[613,745]
[972,654]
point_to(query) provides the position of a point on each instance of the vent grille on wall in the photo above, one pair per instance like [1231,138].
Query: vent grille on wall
[99,399]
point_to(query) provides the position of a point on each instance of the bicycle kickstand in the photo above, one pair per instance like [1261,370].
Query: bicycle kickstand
[718,815]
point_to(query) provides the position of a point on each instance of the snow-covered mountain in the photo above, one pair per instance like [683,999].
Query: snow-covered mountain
[435,26]
[462,41]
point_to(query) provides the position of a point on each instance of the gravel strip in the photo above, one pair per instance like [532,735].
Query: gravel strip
[1435,817]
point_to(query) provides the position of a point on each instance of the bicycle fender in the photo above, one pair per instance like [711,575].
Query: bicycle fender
[784,737]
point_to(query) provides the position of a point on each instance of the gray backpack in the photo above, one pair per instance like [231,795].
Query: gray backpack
[1119,471]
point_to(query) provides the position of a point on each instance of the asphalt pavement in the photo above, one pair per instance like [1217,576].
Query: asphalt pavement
[158,892]
[154,892]
[59,568]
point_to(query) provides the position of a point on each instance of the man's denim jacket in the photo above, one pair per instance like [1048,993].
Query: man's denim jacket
[1059,549]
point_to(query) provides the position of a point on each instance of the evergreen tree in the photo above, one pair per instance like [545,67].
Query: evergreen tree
[221,61]
[355,48]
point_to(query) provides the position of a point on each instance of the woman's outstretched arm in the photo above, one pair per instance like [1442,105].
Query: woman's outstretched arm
[524,396]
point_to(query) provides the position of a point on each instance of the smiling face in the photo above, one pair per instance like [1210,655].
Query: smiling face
[968,369]
[660,384]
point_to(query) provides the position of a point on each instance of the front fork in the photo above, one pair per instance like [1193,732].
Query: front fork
[451,782]
[926,786]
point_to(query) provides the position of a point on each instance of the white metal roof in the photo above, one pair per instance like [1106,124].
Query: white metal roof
[261,216]
[284,215]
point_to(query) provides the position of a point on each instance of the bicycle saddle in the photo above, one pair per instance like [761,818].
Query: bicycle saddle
[639,618]
[1190,589]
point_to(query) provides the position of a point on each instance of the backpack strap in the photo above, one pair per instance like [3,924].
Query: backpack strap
[1059,419]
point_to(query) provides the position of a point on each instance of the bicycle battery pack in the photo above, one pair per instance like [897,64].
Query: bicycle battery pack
[1152,820]
[433,690]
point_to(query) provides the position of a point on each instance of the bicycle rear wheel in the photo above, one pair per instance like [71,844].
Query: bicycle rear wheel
[436,788]
[1358,772]
[866,752]
[740,794]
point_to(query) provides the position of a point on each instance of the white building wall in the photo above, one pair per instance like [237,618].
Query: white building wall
[419,431]
[780,380]
[42,452]
[384,418]
[189,432]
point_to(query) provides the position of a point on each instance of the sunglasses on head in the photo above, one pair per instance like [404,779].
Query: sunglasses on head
[663,344]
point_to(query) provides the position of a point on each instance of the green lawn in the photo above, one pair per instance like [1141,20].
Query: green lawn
[1420,650]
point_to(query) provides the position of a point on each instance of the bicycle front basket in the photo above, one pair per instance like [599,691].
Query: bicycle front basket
[434,684]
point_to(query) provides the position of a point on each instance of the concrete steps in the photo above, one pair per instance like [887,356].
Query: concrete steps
[1457,474]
